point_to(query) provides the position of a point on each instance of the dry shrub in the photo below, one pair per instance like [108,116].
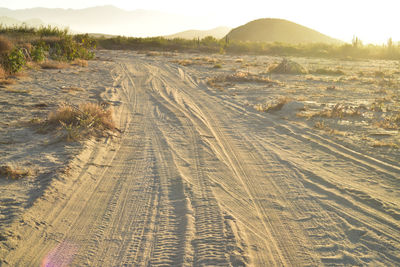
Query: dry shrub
[183,62]
[86,119]
[7,81]
[80,62]
[3,73]
[241,77]
[208,60]
[13,172]
[385,144]
[152,53]
[337,111]
[391,123]
[51,64]
[17,91]
[322,126]
[273,106]
[329,72]
[278,105]
[5,45]
[27,46]
[287,67]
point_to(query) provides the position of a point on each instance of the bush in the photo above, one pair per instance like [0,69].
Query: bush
[14,61]
[67,49]
[86,119]
[38,53]
[5,45]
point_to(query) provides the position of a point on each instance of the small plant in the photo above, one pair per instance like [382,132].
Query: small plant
[14,61]
[85,120]
[38,53]
[12,172]
[217,66]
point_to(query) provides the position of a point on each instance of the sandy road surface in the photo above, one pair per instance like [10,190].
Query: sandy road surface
[198,181]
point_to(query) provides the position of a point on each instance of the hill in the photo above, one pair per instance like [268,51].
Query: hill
[278,30]
[218,33]
[8,21]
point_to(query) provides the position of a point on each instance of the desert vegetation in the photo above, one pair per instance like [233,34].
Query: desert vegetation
[44,46]
[239,77]
[12,171]
[77,122]
[355,50]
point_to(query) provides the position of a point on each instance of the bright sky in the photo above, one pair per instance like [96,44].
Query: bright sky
[373,21]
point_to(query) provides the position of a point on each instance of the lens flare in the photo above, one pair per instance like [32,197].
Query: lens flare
[60,256]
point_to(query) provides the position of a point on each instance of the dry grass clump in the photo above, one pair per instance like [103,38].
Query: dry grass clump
[7,81]
[242,77]
[239,77]
[328,72]
[391,123]
[51,64]
[152,53]
[379,74]
[85,120]
[208,60]
[337,111]
[287,67]
[17,91]
[273,106]
[3,73]
[184,62]
[385,144]
[322,126]
[5,45]
[13,172]
[80,62]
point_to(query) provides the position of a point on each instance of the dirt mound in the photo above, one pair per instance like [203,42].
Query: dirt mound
[287,67]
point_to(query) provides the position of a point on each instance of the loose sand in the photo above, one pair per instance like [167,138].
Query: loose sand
[199,176]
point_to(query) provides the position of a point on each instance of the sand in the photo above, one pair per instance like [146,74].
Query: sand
[200,177]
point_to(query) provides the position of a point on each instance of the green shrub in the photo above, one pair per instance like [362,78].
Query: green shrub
[68,49]
[38,53]
[14,61]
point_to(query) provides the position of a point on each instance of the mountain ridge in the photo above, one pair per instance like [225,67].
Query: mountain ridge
[217,32]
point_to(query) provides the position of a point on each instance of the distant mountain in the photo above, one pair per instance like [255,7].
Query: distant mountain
[109,20]
[218,33]
[7,21]
[278,30]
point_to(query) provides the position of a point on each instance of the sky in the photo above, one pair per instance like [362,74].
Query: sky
[370,20]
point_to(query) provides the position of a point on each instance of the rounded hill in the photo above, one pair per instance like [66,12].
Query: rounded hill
[278,30]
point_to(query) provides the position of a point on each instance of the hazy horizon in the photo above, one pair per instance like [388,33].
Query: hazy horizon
[371,21]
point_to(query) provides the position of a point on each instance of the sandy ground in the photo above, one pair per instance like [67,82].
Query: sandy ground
[200,177]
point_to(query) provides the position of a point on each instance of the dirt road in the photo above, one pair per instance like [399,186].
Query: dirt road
[198,180]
